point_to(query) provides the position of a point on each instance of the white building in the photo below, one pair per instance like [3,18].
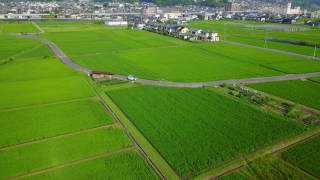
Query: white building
[150,10]
[209,36]
[293,11]
[172,15]
[315,14]
[116,23]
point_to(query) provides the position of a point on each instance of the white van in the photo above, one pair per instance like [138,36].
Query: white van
[131,78]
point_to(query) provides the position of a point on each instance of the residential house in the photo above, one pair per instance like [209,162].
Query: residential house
[195,32]
[208,35]
[171,28]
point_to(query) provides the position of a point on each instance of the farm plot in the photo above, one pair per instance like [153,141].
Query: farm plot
[305,156]
[292,38]
[126,165]
[102,41]
[234,176]
[80,25]
[198,129]
[273,168]
[11,45]
[17,27]
[39,51]
[31,92]
[48,121]
[304,92]
[34,69]
[317,79]
[31,77]
[50,117]
[53,152]
[142,54]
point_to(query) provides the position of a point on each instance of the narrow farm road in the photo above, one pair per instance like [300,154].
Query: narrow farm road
[67,61]
[71,163]
[271,50]
[5,148]
[38,27]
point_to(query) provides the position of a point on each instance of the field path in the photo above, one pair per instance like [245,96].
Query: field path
[271,50]
[67,61]
[38,27]
[71,163]
[5,148]
[16,108]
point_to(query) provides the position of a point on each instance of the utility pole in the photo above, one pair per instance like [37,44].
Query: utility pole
[224,33]
[265,39]
[265,43]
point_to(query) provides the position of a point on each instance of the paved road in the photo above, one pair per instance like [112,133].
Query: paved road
[67,61]
[272,50]
[58,52]
[232,81]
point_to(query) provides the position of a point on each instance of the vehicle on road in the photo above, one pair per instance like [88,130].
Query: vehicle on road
[132,78]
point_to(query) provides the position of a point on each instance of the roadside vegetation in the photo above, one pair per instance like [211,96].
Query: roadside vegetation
[305,92]
[274,104]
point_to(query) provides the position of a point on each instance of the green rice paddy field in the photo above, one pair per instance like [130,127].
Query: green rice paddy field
[199,129]
[305,156]
[255,33]
[153,56]
[50,116]
[273,168]
[304,92]
[17,27]
[80,25]
[11,45]
[51,120]
[56,151]
[127,165]
[234,176]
